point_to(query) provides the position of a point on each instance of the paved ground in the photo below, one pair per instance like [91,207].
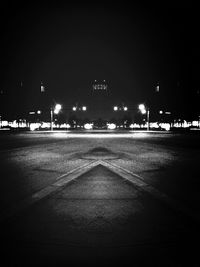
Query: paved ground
[136,199]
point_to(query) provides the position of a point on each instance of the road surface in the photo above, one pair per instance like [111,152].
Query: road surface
[102,198]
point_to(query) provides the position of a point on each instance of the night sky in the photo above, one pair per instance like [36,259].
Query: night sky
[133,48]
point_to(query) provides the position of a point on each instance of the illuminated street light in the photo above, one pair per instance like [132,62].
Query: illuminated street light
[141,107]
[120,108]
[58,107]
[39,112]
[77,107]
[56,110]
[145,110]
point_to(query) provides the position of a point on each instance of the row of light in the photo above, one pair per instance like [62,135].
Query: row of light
[58,107]
[89,126]
[116,108]
[141,107]
[34,112]
[84,108]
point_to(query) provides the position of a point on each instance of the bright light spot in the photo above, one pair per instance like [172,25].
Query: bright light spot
[39,112]
[111,126]
[56,111]
[42,88]
[143,111]
[74,108]
[167,112]
[125,108]
[45,125]
[154,125]
[157,88]
[4,123]
[134,125]
[88,126]
[84,108]
[115,108]
[32,112]
[141,107]
[58,107]
[161,112]
[34,126]
[195,123]
[165,126]
[14,124]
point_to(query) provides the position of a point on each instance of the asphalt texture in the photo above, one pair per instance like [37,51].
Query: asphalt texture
[100,218]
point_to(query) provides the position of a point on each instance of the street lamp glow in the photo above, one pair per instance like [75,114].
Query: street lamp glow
[58,107]
[39,112]
[115,108]
[143,111]
[84,108]
[74,108]
[56,111]
[141,107]
[125,108]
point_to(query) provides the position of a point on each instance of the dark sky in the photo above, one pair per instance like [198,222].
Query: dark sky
[69,46]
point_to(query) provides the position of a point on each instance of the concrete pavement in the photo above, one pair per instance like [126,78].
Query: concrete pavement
[99,218]
[113,210]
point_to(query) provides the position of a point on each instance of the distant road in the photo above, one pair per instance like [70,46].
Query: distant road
[10,140]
